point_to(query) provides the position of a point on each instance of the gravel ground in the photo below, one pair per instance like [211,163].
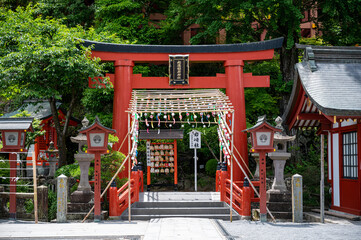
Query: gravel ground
[256,230]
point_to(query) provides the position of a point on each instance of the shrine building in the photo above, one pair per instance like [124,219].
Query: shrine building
[41,111]
[327,95]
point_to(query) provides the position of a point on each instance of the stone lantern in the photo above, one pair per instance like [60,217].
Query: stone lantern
[84,193]
[53,159]
[279,157]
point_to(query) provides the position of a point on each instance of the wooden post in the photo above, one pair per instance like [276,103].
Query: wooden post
[231,187]
[35,189]
[43,203]
[322,183]
[129,177]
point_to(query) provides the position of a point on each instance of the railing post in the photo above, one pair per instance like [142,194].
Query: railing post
[224,175]
[135,178]
[218,173]
[140,170]
[246,200]
[113,200]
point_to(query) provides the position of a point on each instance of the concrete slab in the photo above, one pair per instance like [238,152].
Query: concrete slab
[182,229]
[179,196]
[89,230]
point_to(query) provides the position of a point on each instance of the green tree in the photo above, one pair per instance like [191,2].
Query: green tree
[245,21]
[47,60]
[339,21]
[74,12]
[13,4]
[130,19]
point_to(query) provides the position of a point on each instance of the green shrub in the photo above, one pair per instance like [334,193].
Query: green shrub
[109,166]
[29,205]
[71,170]
[211,167]
[4,172]
[52,205]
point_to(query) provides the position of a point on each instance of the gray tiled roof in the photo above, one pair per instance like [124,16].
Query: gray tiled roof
[40,110]
[163,134]
[15,123]
[215,48]
[331,78]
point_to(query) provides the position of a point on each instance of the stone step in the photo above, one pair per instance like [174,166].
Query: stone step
[179,210]
[279,197]
[275,214]
[181,204]
[165,209]
[281,215]
[79,207]
[78,216]
[211,216]
[280,206]
[347,216]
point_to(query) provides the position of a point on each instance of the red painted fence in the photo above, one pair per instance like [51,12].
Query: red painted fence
[119,198]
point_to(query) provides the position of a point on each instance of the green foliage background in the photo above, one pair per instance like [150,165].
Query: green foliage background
[41,43]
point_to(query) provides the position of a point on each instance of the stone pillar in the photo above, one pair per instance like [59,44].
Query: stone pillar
[279,161]
[62,198]
[43,203]
[297,199]
[53,160]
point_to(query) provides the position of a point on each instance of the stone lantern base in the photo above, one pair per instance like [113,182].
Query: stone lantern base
[81,197]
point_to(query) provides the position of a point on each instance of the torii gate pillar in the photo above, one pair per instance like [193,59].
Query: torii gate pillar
[122,95]
[235,92]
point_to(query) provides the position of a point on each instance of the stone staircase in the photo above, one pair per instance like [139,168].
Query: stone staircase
[178,204]
[149,210]
[77,212]
[280,205]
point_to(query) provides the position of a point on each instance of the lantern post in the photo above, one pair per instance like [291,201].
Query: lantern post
[97,140]
[262,134]
[13,137]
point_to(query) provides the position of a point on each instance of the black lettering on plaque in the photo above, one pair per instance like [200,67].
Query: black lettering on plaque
[178,69]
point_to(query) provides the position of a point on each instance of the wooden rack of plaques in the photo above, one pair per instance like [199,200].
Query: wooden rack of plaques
[162,159]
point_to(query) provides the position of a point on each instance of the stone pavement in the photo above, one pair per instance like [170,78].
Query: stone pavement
[179,229]
[167,228]
[249,230]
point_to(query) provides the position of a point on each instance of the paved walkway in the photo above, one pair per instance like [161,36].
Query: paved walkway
[179,229]
[164,229]
[250,230]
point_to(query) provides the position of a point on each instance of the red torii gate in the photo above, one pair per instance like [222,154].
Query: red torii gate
[234,80]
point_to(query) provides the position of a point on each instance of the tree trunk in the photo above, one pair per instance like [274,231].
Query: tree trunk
[60,137]
[62,131]
[288,59]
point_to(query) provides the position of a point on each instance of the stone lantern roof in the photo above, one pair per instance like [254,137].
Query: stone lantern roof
[81,138]
[282,136]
